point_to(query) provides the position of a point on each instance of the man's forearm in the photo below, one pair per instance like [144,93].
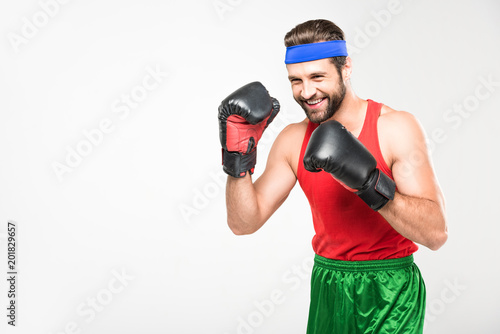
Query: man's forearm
[243,214]
[418,219]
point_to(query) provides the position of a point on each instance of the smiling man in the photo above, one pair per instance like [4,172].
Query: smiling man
[366,172]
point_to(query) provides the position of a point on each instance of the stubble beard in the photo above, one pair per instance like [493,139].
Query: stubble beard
[334,102]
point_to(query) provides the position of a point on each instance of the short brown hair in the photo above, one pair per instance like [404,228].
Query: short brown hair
[314,31]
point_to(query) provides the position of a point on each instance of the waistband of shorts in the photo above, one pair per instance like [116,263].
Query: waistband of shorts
[369,265]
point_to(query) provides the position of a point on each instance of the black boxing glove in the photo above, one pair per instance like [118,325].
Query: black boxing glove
[335,150]
[243,117]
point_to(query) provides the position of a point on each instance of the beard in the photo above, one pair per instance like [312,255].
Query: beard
[334,102]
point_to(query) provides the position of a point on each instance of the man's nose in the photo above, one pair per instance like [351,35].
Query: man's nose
[308,90]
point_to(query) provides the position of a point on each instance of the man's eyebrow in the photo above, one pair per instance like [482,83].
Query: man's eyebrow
[290,77]
[317,73]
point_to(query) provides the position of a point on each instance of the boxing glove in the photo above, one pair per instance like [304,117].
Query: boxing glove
[243,117]
[333,149]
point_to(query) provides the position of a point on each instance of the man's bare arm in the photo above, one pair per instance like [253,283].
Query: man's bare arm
[418,210]
[249,205]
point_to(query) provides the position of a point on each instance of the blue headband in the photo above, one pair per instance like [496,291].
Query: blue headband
[314,51]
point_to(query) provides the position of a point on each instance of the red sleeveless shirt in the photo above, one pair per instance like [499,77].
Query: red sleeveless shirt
[346,227]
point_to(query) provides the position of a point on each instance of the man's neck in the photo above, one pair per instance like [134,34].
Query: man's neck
[352,112]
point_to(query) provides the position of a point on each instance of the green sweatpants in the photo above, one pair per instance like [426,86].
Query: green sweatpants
[381,296]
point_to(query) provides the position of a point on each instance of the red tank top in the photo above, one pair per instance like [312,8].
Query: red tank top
[346,228]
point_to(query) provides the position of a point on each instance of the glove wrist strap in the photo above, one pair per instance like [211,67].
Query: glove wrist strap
[238,164]
[379,189]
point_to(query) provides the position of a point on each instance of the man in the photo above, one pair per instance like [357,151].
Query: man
[366,172]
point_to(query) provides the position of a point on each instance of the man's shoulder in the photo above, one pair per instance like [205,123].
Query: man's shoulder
[400,132]
[395,115]
[397,122]
[289,142]
[294,131]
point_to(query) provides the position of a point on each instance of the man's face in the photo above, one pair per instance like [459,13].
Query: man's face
[317,87]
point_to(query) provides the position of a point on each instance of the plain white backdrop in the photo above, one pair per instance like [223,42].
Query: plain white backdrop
[110,158]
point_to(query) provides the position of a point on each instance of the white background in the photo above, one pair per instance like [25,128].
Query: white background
[146,200]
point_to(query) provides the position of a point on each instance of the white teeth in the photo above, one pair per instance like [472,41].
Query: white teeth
[314,101]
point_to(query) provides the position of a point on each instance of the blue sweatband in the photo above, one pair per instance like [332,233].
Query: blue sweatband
[314,51]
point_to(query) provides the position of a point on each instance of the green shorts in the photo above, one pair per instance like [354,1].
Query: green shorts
[381,296]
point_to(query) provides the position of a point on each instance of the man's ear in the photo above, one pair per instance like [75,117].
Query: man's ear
[347,69]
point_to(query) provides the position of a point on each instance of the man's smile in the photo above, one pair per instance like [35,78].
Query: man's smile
[316,103]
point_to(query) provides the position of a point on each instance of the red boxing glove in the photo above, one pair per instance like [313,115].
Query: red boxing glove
[243,117]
